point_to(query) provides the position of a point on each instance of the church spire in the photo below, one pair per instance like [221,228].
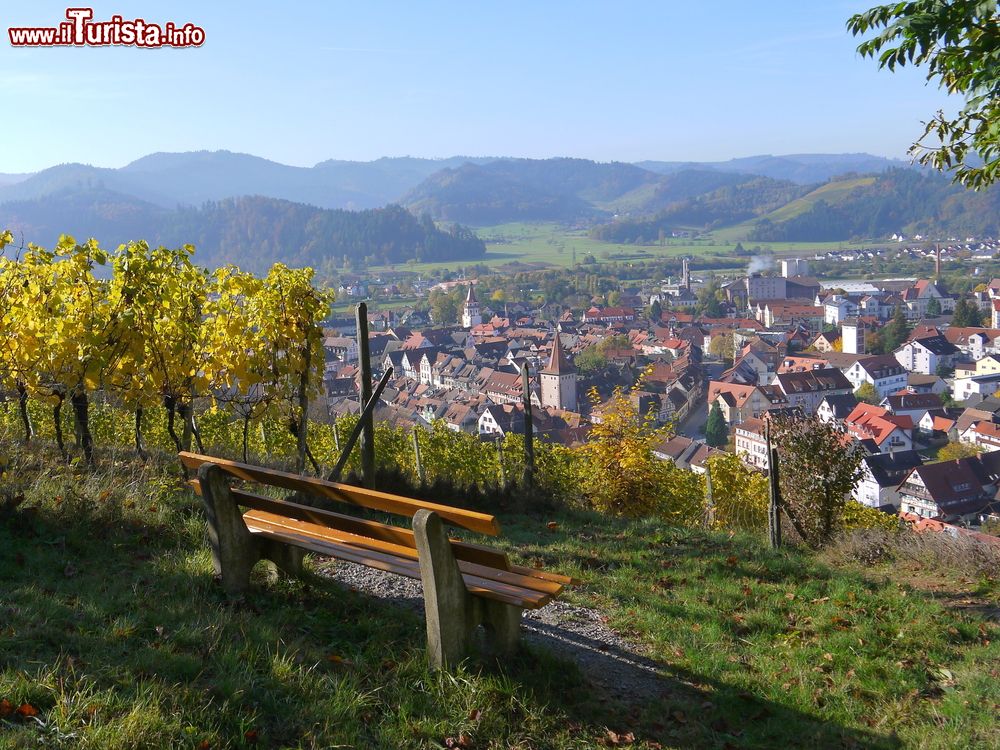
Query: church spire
[558,363]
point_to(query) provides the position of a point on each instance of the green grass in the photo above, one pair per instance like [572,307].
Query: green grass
[831,192]
[551,245]
[112,626]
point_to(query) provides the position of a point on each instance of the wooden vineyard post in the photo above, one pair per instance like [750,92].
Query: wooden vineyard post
[367,442]
[529,438]
[774,505]
[709,499]
[416,456]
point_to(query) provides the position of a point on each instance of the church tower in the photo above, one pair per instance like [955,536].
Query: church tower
[559,380]
[470,311]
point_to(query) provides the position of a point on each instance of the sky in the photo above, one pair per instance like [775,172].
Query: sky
[301,82]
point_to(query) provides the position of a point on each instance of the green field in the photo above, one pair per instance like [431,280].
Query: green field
[552,245]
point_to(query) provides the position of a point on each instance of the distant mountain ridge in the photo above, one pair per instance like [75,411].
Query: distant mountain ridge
[192,178]
[803,169]
[221,200]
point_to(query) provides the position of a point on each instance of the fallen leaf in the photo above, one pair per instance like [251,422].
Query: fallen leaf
[203,745]
[250,736]
[475,714]
[27,710]
[552,526]
[732,560]
[820,600]
[6,708]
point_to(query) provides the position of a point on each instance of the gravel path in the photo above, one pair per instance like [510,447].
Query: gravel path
[615,666]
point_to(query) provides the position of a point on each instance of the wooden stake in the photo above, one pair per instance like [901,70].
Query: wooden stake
[774,506]
[367,442]
[529,438]
[416,456]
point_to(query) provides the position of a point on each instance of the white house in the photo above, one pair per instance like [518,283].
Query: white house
[751,445]
[836,308]
[836,408]
[881,475]
[975,388]
[885,373]
[926,354]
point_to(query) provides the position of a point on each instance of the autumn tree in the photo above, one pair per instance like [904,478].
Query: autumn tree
[164,294]
[619,474]
[955,450]
[444,306]
[959,43]
[721,346]
[287,314]
[236,366]
[79,330]
[866,392]
[819,467]
[739,495]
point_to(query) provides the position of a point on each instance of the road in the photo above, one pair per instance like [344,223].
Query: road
[694,425]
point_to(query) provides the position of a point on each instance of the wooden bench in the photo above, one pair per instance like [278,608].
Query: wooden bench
[465,585]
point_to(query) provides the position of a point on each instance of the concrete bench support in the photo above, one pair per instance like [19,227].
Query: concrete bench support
[235,550]
[453,614]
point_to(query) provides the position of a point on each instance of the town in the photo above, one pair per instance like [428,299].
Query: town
[910,371]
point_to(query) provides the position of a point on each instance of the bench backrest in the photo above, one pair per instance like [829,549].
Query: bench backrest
[482,523]
[376,535]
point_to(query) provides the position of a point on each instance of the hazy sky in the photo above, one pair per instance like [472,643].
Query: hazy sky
[300,82]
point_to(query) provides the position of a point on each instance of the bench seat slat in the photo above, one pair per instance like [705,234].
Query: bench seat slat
[477,586]
[469,551]
[345,493]
[545,575]
[258,519]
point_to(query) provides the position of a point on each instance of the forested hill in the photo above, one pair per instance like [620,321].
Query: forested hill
[722,207]
[851,207]
[554,190]
[252,232]
[900,200]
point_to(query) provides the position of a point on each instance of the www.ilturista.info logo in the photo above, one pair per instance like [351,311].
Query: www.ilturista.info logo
[80,30]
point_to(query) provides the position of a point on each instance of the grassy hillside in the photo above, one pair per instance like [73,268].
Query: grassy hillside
[114,634]
[833,192]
